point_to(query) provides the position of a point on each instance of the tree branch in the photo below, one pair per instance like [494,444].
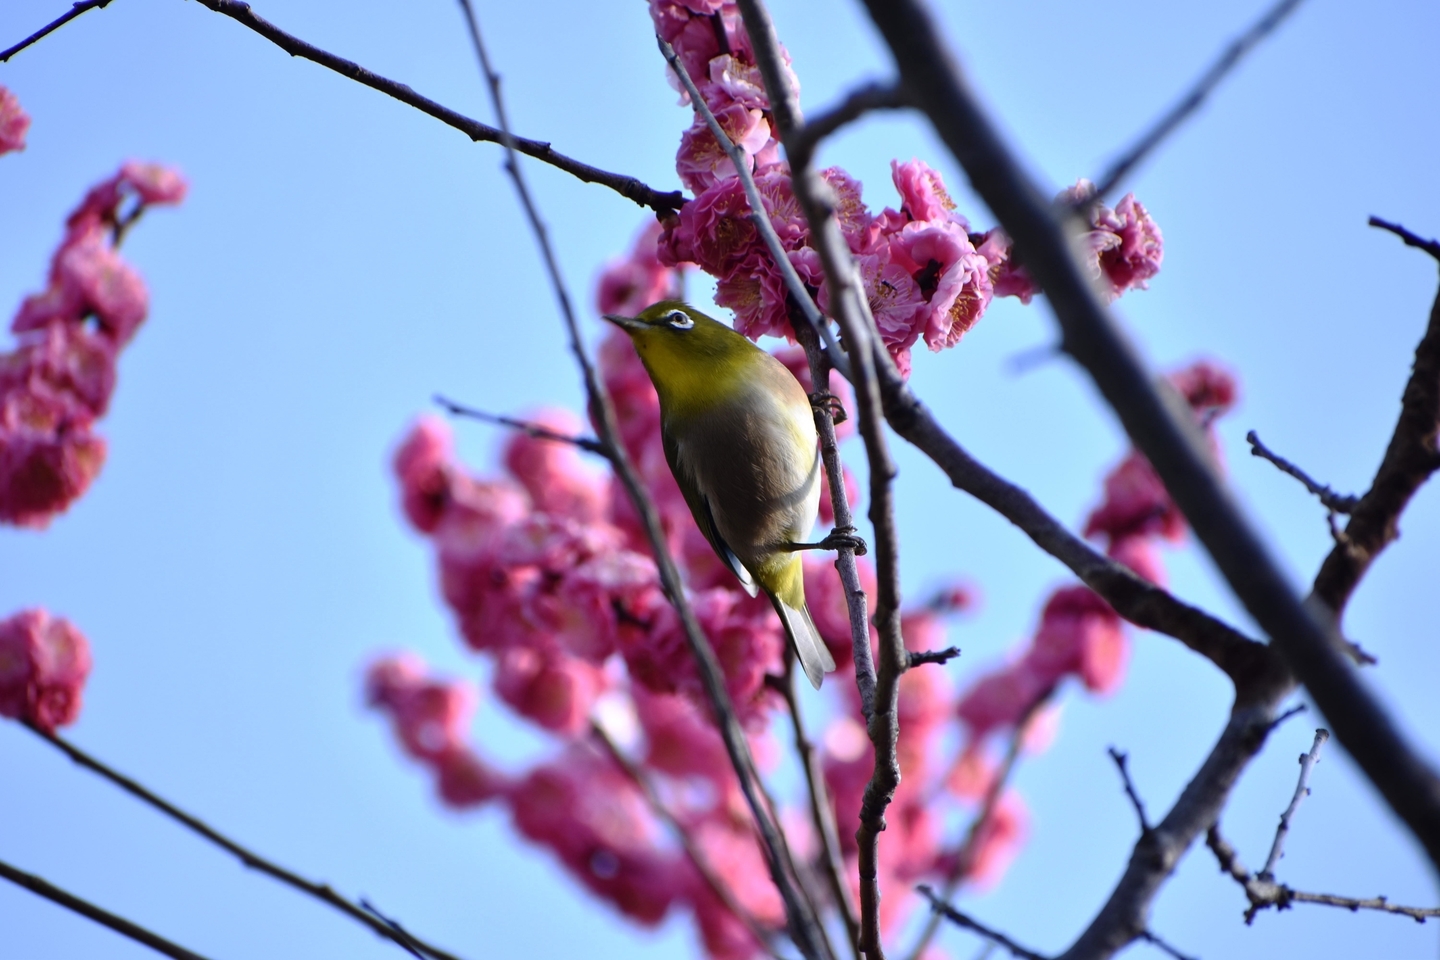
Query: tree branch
[1121,763]
[628,187]
[817,202]
[858,102]
[1191,102]
[1411,457]
[1302,790]
[944,909]
[105,918]
[804,926]
[320,891]
[1160,425]
[1329,499]
[537,430]
[84,6]
[1264,894]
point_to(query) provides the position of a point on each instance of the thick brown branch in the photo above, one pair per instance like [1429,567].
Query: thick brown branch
[85,908]
[1410,459]
[857,103]
[628,187]
[804,925]
[84,6]
[320,891]
[1159,423]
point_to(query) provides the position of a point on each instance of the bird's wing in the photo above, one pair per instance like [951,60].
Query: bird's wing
[699,505]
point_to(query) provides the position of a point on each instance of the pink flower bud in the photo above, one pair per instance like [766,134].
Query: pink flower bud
[463,779]
[48,454]
[429,716]
[44,662]
[549,687]
[422,465]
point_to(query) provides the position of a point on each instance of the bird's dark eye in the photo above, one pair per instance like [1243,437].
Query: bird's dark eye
[679,319]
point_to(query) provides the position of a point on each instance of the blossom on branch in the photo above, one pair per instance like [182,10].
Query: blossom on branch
[44,661]
[14,123]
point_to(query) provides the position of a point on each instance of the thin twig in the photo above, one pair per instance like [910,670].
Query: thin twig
[628,187]
[961,920]
[1122,763]
[1329,499]
[966,852]
[529,428]
[1265,894]
[1192,101]
[1411,457]
[804,926]
[1161,945]
[1302,790]
[858,102]
[85,908]
[697,857]
[932,656]
[816,200]
[1160,424]
[758,216]
[822,813]
[393,924]
[75,10]
[320,891]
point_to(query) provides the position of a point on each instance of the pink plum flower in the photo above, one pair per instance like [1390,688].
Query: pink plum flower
[14,122]
[44,661]
[553,473]
[630,284]
[702,161]
[922,192]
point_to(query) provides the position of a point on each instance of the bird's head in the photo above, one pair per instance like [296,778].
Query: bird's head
[687,353]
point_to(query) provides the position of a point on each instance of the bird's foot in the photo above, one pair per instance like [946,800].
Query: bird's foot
[839,538]
[827,401]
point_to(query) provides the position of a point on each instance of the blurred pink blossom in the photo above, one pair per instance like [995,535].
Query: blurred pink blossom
[44,661]
[14,122]
[633,282]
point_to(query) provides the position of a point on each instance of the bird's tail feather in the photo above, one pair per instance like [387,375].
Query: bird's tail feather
[814,656]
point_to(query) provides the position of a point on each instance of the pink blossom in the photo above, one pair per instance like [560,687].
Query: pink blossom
[999,840]
[713,230]
[897,302]
[88,276]
[630,284]
[702,161]
[1209,389]
[733,80]
[429,716]
[463,779]
[848,762]
[825,596]
[922,192]
[553,473]
[1136,504]
[755,292]
[549,687]
[850,210]
[154,183]
[14,122]
[999,699]
[1007,278]
[1079,633]
[48,454]
[1138,255]
[1139,554]
[782,208]
[680,738]
[951,275]
[68,358]
[731,848]
[973,773]
[44,662]
[422,464]
[595,820]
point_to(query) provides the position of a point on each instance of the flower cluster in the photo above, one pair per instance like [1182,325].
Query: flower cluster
[926,275]
[58,379]
[44,661]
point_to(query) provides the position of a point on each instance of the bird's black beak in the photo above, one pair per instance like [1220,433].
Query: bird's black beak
[626,323]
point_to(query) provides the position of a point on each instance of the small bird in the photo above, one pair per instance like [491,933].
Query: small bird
[739,435]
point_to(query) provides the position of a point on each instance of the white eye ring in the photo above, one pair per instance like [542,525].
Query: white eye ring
[679,319]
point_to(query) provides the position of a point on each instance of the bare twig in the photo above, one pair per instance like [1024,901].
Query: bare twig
[1160,425]
[84,6]
[1329,499]
[932,656]
[1161,945]
[536,430]
[858,102]
[393,924]
[1302,790]
[1192,100]
[816,200]
[85,908]
[804,926]
[697,857]
[1122,764]
[1265,894]
[822,813]
[969,846]
[1410,459]
[962,920]
[628,187]
[320,891]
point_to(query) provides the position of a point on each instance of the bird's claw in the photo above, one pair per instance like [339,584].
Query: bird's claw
[827,401]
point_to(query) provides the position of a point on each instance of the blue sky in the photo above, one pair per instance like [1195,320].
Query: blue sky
[342,257]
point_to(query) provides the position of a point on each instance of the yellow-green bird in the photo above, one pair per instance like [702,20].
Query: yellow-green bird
[739,435]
